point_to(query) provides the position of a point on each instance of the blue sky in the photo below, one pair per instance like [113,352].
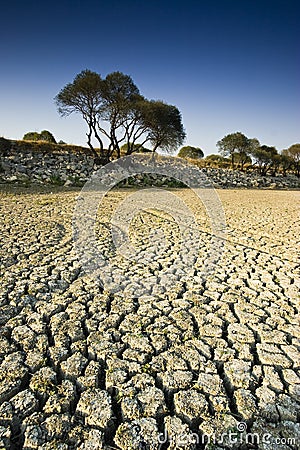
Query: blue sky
[228,65]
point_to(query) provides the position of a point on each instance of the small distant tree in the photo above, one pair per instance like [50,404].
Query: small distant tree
[237,143]
[191,152]
[286,162]
[217,158]
[31,136]
[294,153]
[265,157]
[44,135]
[135,148]
[217,161]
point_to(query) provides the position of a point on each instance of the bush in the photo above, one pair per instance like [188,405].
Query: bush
[44,135]
[191,152]
[5,146]
[48,147]
[56,180]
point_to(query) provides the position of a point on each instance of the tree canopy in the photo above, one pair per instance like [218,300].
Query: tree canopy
[191,152]
[265,157]
[237,143]
[293,152]
[113,108]
[44,135]
[83,96]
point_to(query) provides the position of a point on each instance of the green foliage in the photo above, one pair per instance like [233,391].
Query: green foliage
[216,158]
[242,158]
[84,96]
[294,153]
[120,102]
[48,147]
[286,161]
[265,158]
[31,136]
[56,180]
[235,143]
[5,146]
[76,181]
[191,152]
[216,161]
[44,135]
[164,125]
[126,149]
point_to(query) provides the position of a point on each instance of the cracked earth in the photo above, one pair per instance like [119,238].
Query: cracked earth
[149,367]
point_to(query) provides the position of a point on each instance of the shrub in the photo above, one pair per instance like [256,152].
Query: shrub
[44,135]
[5,146]
[191,152]
[56,180]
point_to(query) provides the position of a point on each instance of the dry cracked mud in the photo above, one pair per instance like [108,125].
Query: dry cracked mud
[205,363]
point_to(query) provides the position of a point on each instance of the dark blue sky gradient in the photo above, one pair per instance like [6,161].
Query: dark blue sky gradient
[228,65]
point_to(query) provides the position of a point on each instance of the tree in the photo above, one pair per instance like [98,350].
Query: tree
[84,96]
[216,158]
[237,143]
[113,108]
[120,99]
[286,162]
[265,158]
[191,152]
[241,159]
[44,135]
[294,153]
[31,136]
[164,125]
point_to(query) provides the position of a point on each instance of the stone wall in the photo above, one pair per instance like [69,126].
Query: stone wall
[62,167]
[57,167]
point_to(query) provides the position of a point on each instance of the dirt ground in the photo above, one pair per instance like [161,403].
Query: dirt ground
[187,329]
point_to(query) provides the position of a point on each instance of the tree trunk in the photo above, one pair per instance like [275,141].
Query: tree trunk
[89,135]
[98,139]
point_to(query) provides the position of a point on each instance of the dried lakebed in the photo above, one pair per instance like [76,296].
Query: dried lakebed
[150,367]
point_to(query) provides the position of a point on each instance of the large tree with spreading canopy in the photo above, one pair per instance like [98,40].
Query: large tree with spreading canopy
[114,109]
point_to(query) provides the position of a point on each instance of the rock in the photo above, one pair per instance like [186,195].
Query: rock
[178,435]
[190,406]
[95,407]
[245,402]
[24,403]
[73,367]
[141,433]
[94,440]
[175,380]
[271,354]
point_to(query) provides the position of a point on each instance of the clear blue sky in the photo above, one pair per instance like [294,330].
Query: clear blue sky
[228,65]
